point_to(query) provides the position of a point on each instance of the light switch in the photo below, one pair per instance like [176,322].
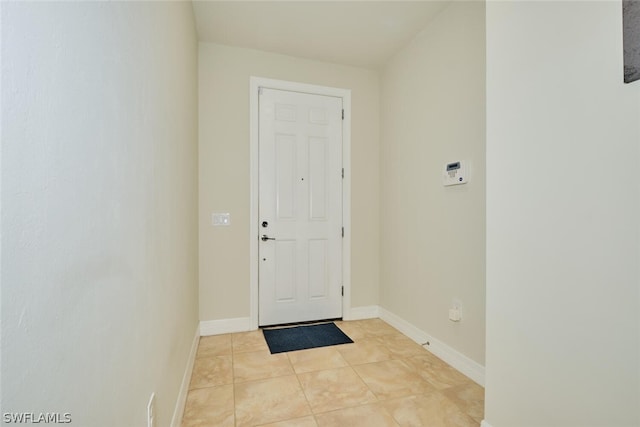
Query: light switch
[221,219]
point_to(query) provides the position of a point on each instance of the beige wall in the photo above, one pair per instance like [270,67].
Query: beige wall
[224,170]
[99,208]
[433,112]
[563,210]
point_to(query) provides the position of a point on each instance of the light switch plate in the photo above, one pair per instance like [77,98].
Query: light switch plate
[221,219]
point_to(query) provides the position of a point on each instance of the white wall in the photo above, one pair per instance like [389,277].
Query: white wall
[563,216]
[224,170]
[433,240]
[99,208]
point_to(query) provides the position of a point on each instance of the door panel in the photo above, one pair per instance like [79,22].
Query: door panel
[300,169]
[317,178]
[285,167]
[318,280]
[285,277]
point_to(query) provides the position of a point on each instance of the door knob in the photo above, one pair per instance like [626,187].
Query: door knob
[264,238]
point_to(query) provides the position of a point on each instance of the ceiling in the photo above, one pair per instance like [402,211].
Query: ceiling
[362,33]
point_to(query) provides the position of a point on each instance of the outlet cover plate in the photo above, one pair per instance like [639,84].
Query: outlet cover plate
[456,306]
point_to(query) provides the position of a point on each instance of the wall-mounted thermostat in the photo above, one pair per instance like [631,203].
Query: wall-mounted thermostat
[455,173]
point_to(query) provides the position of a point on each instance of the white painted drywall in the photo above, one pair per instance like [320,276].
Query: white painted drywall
[99,208]
[563,217]
[224,170]
[433,237]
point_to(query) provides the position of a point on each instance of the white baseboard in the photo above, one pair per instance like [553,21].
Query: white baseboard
[365,312]
[178,412]
[403,326]
[484,424]
[225,326]
[462,363]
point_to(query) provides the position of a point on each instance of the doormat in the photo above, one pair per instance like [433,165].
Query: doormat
[304,337]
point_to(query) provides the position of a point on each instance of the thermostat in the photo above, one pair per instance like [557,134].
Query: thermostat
[455,173]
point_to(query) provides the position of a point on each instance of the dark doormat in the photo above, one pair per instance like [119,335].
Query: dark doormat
[303,337]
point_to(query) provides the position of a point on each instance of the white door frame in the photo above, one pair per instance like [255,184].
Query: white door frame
[255,83]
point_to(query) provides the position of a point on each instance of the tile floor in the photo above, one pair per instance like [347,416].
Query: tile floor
[382,379]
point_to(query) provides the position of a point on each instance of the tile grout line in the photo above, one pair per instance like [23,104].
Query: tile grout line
[306,398]
[233,382]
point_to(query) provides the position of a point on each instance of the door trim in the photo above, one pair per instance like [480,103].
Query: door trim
[255,83]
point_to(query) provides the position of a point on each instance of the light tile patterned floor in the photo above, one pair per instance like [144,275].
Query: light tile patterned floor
[382,379]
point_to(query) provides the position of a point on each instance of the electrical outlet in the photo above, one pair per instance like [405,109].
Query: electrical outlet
[151,411]
[455,312]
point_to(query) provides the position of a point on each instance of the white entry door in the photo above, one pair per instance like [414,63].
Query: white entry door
[300,207]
